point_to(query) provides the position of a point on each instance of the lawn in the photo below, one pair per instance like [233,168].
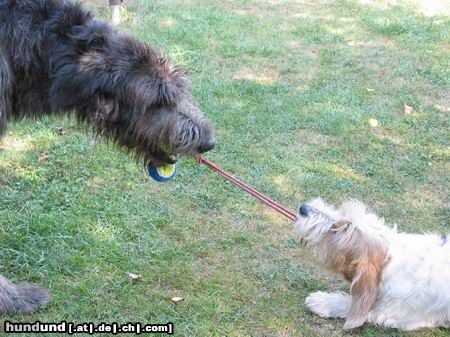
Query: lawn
[291,87]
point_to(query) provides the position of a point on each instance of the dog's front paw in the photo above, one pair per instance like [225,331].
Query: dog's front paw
[318,304]
[329,305]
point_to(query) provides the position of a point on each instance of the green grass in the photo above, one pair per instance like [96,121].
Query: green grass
[290,87]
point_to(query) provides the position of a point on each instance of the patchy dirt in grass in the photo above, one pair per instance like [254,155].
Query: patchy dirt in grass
[389,135]
[291,9]
[422,197]
[425,7]
[263,76]
[17,144]
[313,139]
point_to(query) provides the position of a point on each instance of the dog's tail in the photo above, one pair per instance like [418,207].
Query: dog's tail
[22,297]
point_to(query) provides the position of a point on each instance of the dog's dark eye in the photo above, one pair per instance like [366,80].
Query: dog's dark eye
[96,41]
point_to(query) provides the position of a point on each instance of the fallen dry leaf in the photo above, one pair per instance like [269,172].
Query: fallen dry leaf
[373,122]
[134,277]
[407,110]
[43,156]
[176,299]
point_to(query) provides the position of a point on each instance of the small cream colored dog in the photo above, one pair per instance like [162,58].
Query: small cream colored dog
[397,280]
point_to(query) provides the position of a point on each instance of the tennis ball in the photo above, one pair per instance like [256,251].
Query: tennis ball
[161,173]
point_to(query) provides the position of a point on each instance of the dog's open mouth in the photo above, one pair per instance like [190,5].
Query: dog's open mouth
[163,157]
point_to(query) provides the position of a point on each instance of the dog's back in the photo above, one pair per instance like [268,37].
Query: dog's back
[414,291]
[29,34]
[23,24]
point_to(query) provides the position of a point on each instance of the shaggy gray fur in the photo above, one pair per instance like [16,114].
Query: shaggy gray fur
[55,58]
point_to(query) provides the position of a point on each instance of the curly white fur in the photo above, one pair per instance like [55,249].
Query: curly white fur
[398,280]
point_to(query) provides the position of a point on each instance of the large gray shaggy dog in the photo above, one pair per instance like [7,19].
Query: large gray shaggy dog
[55,58]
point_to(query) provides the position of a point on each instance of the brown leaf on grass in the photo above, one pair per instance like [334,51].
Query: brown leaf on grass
[43,156]
[177,299]
[407,110]
[134,277]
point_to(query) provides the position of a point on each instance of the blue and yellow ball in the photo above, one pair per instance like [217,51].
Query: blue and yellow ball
[162,173]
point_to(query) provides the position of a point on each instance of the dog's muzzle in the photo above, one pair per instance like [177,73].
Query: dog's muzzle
[206,146]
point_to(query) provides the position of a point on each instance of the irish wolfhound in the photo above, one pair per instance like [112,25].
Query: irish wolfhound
[55,58]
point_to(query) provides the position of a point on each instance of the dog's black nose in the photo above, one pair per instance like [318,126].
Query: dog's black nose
[304,209]
[206,146]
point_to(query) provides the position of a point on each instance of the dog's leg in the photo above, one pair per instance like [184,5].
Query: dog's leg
[5,89]
[22,297]
[115,11]
[329,305]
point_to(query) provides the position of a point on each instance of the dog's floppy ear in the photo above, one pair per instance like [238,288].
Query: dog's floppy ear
[172,82]
[341,225]
[164,84]
[92,36]
[364,288]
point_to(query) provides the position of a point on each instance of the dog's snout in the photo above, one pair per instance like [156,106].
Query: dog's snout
[207,146]
[304,209]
